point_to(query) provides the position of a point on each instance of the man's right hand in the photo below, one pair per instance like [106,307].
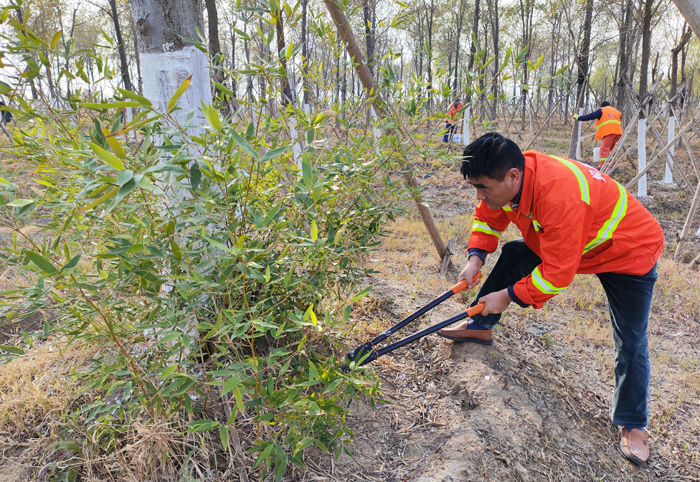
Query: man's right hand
[470,271]
[575,116]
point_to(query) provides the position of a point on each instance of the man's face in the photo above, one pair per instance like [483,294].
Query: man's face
[496,194]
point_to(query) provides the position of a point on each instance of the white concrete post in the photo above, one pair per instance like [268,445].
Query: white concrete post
[296,152]
[642,153]
[596,156]
[375,130]
[465,129]
[668,176]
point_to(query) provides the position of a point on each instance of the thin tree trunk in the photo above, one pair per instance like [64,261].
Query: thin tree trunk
[365,75]
[281,47]
[124,64]
[582,73]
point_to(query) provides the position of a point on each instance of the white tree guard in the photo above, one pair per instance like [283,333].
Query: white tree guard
[596,156]
[668,175]
[164,72]
[465,130]
[642,152]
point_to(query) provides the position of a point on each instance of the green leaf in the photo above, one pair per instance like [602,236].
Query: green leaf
[178,93]
[107,157]
[212,116]
[239,399]
[307,172]
[223,88]
[12,349]
[43,263]
[20,203]
[314,231]
[272,153]
[56,37]
[361,294]
[230,384]
[223,436]
[203,425]
[562,70]
[109,105]
[244,145]
[303,443]
[138,98]
[242,34]
[195,177]
[71,264]
[264,455]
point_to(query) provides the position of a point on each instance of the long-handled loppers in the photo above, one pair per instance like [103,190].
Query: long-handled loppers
[368,352]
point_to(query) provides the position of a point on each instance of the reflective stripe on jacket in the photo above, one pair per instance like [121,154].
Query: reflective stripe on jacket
[577,220]
[609,123]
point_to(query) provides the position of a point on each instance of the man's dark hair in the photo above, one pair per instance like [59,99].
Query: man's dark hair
[605,103]
[492,156]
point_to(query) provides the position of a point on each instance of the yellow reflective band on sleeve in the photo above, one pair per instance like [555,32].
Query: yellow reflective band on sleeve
[543,285]
[485,228]
[536,225]
[612,121]
[582,183]
[609,227]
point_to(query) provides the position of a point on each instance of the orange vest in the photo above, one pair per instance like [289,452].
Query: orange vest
[452,113]
[609,123]
[577,220]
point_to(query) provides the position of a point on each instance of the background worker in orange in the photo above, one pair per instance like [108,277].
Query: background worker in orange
[608,128]
[451,120]
[573,219]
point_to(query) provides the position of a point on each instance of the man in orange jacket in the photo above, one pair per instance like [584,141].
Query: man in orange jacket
[573,219]
[608,128]
[451,120]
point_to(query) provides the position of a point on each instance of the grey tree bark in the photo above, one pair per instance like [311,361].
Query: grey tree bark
[123,63]
[166,59]
[582,60]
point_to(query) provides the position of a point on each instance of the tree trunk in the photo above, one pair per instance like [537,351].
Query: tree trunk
[281,47]
[582,73]
[365,75]
[214,45]
[691,12]
[646,54]
[429,60]
[370,16]
[460,25]
[167,60]
[685,38]
[623,54]
[123,63]
[305,51]
[493,16]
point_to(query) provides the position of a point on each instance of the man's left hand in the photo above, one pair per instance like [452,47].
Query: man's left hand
[496,302]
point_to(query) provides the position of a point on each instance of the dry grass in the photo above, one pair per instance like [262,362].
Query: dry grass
[37,387]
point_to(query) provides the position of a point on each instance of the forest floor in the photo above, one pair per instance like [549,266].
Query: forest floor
[534,405]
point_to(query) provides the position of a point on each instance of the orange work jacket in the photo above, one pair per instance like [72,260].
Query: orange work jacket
[577,220]
[452,113]
[609,123]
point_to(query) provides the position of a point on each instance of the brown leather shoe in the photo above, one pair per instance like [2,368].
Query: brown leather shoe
[462,333]
[634,445]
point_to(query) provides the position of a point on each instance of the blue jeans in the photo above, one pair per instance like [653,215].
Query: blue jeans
[629,302]
[451,129]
